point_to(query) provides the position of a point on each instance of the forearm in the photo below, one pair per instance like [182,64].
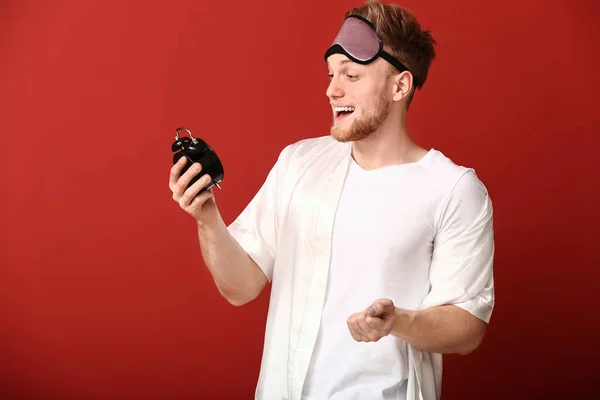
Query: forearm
[238,278]
[444,329]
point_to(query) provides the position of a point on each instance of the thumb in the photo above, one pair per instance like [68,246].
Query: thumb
[378,308]
[374,309]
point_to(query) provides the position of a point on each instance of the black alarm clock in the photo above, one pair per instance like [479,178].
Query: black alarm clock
[197,151]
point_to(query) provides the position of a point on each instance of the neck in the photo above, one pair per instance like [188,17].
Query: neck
[390,145]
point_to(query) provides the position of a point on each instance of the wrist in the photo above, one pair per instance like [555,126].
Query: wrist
[207,223]
[209,217]
[404,321]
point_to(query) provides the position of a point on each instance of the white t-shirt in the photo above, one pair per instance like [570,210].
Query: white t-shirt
[333,238]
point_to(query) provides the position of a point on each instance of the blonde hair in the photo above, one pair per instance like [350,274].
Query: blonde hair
[402,36]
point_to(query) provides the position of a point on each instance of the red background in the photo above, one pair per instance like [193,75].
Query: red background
[103,293]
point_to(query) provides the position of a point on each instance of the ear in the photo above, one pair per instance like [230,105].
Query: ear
[403,84]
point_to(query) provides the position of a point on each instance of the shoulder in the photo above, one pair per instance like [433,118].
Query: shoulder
[462,196]
[452,178]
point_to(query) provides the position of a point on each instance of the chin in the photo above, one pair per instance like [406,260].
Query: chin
[341,134]
[352,132]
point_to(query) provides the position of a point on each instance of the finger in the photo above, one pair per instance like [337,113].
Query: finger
[354,329]
[190,193]
[355,335]
[367,332]
[380,307]
[184,180]
[374,310]
[375,323]
[200,199]
[176,172]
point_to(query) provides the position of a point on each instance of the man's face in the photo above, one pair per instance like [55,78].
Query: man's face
[358,96]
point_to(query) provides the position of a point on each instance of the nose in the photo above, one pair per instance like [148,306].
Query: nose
[334,90]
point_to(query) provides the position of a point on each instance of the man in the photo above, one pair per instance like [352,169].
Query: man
[379,252]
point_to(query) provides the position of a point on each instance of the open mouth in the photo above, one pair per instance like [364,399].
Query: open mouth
[342,112]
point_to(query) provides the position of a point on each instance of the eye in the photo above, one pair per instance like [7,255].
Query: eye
[351,76]
[330,76]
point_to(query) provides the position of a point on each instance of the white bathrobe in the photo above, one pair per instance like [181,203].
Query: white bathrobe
[287,230]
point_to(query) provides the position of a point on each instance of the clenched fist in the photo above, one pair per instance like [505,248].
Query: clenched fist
[373,323]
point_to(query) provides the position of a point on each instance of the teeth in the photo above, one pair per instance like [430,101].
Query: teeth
[339,109]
